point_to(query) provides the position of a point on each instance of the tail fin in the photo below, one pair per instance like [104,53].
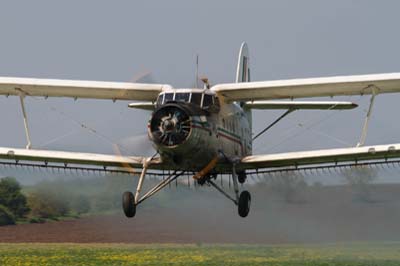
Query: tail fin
[243,66]
[243,75]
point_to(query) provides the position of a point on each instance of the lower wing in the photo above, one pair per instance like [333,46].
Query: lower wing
[280,161]
[320,158]
[76,160]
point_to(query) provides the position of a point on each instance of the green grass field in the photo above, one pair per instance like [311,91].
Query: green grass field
[129,254]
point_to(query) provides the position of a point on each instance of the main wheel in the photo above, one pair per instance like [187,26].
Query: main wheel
[244,203]
[128,204]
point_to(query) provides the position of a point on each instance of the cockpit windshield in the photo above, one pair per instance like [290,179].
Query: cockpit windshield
[160,99]
[196,98]
[203,100]
[182,97]
[207,101]
[168,97]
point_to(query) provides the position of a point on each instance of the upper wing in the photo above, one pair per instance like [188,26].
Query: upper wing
[80,89]
[317,157]
[66,158]
[310,87]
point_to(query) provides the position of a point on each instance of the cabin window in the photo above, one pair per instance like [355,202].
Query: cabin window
[196,98]
[168,97]
[208,100]
[182,97]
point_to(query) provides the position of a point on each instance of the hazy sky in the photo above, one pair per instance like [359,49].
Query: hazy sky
[117,40]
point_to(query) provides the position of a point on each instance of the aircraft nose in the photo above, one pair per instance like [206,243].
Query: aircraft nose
[170,125]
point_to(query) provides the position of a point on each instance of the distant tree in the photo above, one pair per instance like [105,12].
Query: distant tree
[109,191]
[6,217]
[291,186]
[80,204]
[360,180]
[48,201]
[12,198]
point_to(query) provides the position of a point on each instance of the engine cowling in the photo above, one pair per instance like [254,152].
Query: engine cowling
[182,135]
[170,125]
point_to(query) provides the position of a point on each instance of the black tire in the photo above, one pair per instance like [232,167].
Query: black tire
[128,204]
[242,177]
[244,203]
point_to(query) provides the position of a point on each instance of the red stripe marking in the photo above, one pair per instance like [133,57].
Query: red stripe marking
[232,139]
[224,136]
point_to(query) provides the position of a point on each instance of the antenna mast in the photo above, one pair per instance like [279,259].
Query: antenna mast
[197,70]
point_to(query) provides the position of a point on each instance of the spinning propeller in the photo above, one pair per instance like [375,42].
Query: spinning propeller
[170,125]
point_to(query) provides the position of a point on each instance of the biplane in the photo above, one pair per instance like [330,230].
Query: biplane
[207,131]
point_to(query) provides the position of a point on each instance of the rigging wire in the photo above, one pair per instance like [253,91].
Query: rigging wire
[81,125]
[136,78]
[305,128]
[57,139]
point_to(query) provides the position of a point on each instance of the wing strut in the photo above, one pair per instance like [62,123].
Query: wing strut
[273,123]
[367,118]
[28,137]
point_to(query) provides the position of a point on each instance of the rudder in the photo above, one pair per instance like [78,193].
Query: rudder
[243,65]
[243,75]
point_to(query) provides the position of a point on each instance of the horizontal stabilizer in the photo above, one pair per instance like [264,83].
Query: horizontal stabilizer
[149,106]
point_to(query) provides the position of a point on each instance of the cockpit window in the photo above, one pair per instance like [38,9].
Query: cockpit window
[182,97]
[160,99]
[207,101]
[168,97]
[196,98]
[200,99]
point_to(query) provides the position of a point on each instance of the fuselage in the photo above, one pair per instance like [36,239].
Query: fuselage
[190,127]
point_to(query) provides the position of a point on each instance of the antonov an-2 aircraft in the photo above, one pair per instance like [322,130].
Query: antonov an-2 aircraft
[206,131]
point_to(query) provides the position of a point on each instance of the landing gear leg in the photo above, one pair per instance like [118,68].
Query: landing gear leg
[242,200]
[235,182]
[130,201]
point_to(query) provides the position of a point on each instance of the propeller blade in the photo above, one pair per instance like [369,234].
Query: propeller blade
[126,166]
[143,77]
[139,145]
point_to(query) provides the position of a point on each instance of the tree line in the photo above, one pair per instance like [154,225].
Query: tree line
[53,200]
